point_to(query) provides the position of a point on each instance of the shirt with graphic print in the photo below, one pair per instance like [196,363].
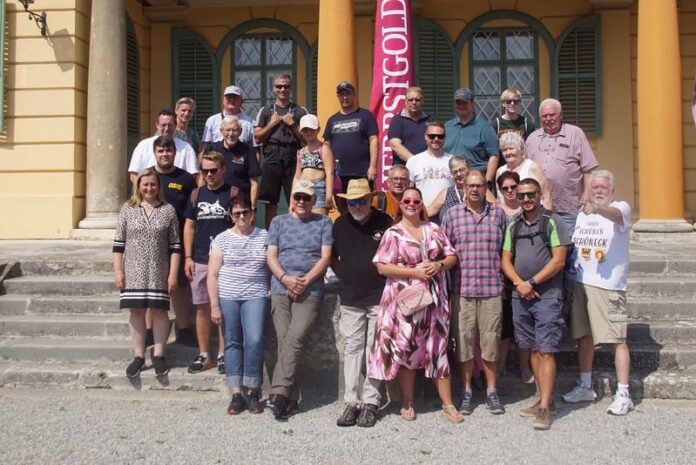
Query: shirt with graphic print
[211,214]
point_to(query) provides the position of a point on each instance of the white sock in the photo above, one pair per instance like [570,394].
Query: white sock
[622,389]
[205,354]
[586,379]
[490,391]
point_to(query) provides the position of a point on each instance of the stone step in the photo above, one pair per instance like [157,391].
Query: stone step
[61,285]
[644,356]
[660,308]
[21,304]
[654,264]
[677,285]
[670,332]
[99,325]
[66,267]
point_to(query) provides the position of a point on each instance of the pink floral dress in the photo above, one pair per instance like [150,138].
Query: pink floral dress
[419,340]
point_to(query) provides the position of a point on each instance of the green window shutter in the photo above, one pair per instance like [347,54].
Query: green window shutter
[194,75]
[314,73]
[578,75]
[434,68]
[133,87]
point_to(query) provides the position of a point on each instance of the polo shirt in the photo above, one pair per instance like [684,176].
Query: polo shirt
[564,157]
[354,246]
[211,132]
[144,156]
[240,164]
[531,254]
[410,131]
[476,141]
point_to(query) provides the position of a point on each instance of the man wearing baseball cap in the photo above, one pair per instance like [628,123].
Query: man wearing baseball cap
[231,105]
[472,137]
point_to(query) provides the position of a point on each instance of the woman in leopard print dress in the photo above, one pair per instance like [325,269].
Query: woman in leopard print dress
[146,253]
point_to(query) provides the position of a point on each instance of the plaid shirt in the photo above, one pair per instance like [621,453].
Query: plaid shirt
[478,243]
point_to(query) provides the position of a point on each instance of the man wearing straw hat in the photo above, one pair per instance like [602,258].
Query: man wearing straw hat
[356,238]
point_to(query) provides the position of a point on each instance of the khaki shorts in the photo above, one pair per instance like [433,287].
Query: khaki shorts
[474,318]
[600,313]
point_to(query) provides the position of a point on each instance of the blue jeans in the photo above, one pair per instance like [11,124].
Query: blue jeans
[242,325]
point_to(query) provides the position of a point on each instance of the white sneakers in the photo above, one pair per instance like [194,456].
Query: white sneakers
[621,406]
[580,393]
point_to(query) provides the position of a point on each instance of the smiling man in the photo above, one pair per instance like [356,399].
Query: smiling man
[429,170]
[232,101]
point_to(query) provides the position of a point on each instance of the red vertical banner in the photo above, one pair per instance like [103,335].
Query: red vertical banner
[392,73]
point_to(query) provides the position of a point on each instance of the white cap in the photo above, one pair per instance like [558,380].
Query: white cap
[309,121]
[233,90]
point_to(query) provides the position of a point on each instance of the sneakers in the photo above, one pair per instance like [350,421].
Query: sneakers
[349,417]
[493,404]
[534,409]
[621,406]
[200,363]
[237,404]
[160,366]
[221,363]
[580,393]
[466,405]
[255,405]
[135,367]
[542,420]
[368,416]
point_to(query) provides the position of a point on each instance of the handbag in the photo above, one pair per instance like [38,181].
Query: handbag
[419,294]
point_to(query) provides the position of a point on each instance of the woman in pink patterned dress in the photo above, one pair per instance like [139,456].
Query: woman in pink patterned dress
[403,344]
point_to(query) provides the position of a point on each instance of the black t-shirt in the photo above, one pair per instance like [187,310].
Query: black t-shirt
[240,164]
[355,246]
[211,215]
[281,142]
[350,140]
[177,187]
[411,133]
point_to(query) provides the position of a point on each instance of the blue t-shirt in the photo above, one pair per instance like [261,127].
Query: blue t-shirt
[299,245]
[411,133]
[211,215]
[350,140]
[475,140]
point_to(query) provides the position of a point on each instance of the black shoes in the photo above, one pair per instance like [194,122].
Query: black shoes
[368,416]
[284,408]
[160,366]
[237,404]
[135,367]
[254,398]
[349,417]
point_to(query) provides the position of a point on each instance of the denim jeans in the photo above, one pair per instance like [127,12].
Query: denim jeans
[243,323]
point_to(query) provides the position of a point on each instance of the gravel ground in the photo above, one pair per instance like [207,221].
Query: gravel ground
[54,426]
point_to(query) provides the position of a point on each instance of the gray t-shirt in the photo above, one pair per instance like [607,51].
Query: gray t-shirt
[299,245]
[532,254]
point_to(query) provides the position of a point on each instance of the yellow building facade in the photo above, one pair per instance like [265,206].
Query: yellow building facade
[77,100]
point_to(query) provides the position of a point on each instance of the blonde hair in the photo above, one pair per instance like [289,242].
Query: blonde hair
[215,157]
[187,100]
[510,93]
[136,197]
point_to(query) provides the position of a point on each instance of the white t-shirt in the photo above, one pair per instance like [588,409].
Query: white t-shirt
[430,174]
[144,156]
[602,249]
[243,274]
[211,132]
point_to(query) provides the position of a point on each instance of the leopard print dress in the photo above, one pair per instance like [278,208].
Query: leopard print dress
[146,245]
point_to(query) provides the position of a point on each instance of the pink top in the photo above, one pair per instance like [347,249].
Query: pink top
[564,157]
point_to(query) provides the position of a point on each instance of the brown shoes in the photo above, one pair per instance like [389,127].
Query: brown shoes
[543,419]
[534,409]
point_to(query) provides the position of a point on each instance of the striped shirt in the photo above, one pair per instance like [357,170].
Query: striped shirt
[478,243]
[243,274]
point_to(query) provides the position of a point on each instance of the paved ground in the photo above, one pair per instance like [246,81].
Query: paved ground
[98,426]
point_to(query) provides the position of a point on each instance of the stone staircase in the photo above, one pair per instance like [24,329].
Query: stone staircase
[60,325]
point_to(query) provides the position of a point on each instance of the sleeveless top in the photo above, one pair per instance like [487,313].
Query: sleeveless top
[452,198]
[313,159]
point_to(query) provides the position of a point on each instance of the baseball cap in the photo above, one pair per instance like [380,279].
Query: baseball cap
[303,186]
[345,85]
[309,121]
[463,94]
[233,90]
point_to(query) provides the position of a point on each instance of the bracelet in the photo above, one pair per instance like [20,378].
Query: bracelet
[281,278]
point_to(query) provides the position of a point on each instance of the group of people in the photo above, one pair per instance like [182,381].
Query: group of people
[436,264]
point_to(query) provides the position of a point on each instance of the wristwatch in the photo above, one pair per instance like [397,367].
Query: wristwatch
[531,281]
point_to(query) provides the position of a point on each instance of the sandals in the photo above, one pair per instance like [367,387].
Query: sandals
[408,413]
[451,414]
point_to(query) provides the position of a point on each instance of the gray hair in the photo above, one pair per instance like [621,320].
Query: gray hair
[604,174]
[457,159]
[551,101]
[395,168]
[513,138]
[231,119]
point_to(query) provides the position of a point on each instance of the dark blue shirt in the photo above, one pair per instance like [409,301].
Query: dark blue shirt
[475,140]
[240,164]
[350,140]
[177,187]
[411,132]
[210,211]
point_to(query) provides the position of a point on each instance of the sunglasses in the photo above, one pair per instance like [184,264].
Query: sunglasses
[243,213]
[302,197]
[511,101]
[211,172]
[361,201]
[398,179]
[509,188]
[529,195]
[413,99]
[436,136]
[282,86]
[415,202]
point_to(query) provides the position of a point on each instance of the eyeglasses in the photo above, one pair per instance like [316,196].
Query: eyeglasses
[459,171]
[362,201]
[282,86]
[212,171]
[509,188]
[436,136]
[474,186]
[243,213]
[302,197]
[166,125]
[413,99]
[529,195]
[228,130]
[398,179]
[511,101]
[415,202]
